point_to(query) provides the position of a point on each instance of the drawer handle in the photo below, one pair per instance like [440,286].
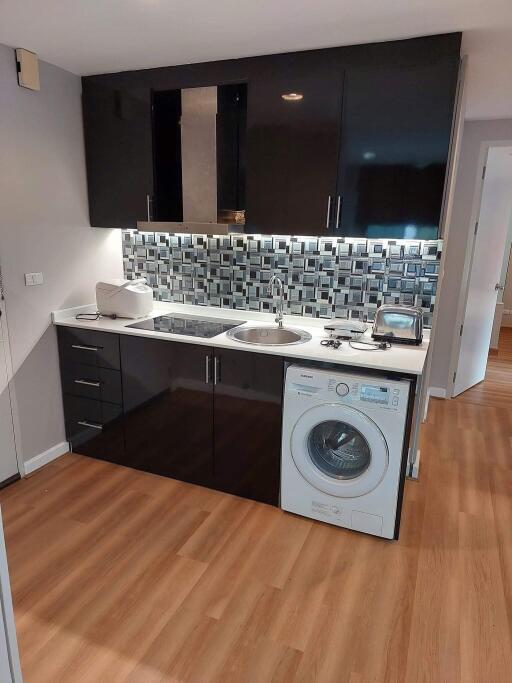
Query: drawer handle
[86,348]
[87,382]
[85,423]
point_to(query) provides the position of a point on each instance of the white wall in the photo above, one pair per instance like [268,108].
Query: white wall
[44,226]
[460,238]
[489,79]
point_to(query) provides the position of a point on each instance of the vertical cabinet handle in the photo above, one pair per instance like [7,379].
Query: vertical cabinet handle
[148,207]
[338,212]
[216,370]
[328,219]
[207,369]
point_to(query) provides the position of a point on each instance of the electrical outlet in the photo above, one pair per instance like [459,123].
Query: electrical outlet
[33,279]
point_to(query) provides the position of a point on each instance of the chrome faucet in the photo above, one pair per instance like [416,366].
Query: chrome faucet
[274,280]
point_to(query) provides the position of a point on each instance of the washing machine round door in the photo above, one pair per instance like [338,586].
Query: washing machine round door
[339,450]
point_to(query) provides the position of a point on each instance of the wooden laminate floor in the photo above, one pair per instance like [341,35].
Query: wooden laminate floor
[120,576]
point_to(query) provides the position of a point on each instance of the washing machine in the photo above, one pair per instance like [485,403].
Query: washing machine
[343,452]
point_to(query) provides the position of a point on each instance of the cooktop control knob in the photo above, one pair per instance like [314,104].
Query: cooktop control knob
[342,389]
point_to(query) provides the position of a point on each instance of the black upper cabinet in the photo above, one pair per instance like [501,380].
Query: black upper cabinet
[118,146]
[396,137]
[293,131]
[362,151]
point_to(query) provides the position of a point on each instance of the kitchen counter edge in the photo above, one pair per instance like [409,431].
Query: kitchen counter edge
[404,359]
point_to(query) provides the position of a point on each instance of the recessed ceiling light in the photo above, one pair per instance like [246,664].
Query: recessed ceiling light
[292,96]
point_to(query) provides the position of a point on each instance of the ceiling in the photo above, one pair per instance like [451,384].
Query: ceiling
[96,36]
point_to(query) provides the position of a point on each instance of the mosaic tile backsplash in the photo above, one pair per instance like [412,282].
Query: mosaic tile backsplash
[323,277]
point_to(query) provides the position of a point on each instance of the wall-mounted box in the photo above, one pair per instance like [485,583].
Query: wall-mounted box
[28,69]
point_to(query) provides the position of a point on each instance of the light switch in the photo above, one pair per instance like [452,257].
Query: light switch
[34,279]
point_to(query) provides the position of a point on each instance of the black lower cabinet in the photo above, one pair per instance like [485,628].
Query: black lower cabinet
[195,413]
[203,415]
[92,393]
[168,408]
[247,424]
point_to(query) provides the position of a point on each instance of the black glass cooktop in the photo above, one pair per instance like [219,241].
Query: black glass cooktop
[188,325]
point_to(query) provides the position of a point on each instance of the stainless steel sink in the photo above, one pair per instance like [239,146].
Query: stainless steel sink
[268,336]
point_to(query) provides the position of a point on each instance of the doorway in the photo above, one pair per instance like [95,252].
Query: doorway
[488,268]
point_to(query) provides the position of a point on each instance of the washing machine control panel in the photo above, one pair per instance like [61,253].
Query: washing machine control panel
[376,393]
[358,391]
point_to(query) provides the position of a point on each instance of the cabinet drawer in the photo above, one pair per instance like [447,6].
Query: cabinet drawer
[89,347]
[94,428]
[89,381]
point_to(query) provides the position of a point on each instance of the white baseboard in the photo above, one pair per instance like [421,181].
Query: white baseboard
[437,392]
[414,469]
[47,456]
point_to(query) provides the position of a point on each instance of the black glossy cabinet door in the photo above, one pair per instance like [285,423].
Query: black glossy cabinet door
[118,145]
[292,152]
[247,424]
[95,428]
[168,408]
[394,150]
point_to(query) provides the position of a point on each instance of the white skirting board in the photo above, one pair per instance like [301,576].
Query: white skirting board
[437,392]
[414,468]
[47,456]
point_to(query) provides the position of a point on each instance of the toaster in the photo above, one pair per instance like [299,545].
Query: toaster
[124,298]
[399,324]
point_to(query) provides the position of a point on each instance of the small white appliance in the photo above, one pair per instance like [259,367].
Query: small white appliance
[345,329]
[124,298]
[343,451]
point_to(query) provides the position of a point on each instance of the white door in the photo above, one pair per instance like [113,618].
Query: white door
[493,223]
[8,462]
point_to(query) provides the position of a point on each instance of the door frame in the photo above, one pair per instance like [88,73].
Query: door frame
[10,384]
[423,388]
[485,146]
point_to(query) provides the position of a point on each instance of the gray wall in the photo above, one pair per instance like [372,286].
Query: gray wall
[475,133]
[44,226]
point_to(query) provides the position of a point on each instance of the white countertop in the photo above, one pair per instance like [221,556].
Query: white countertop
[399,358]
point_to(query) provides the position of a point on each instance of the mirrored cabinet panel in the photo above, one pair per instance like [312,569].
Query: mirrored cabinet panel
[199,143]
